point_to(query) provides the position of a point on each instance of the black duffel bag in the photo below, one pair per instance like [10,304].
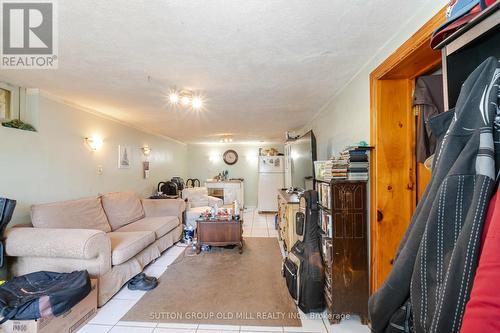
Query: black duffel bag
[42,294]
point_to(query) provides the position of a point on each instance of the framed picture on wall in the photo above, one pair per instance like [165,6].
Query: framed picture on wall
[124,157]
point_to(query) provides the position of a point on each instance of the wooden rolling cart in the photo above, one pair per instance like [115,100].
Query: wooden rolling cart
[219,232]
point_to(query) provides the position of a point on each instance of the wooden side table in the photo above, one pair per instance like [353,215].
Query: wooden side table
[219,233]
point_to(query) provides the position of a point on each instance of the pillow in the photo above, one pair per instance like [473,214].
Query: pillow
[122,208]
[86,213]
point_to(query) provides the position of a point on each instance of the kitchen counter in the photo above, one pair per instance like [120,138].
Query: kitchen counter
[289,198]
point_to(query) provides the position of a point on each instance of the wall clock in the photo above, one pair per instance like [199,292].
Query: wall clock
[230,157]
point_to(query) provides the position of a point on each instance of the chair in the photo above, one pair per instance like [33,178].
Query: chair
[197,202]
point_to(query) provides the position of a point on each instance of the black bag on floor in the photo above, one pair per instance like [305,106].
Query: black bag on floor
[311,274]
[42,294]
[303,268]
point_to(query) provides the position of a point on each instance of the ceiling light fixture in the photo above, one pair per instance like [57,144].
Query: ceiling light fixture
[197,103]
[226,140]
[173,97]
[186,98]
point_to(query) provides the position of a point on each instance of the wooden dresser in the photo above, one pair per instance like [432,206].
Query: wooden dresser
[343,219]
[288,206]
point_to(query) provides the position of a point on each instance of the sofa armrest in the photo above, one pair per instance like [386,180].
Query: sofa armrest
[164,207]
[212,201]
[57,243]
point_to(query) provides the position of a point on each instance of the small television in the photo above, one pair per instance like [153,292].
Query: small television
[302,157]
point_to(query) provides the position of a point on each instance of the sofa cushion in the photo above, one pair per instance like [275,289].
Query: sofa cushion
[86,213]
[159,225]
[125,245]
[122,208]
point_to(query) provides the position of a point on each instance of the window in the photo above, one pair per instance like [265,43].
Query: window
[5,103]
[9,102]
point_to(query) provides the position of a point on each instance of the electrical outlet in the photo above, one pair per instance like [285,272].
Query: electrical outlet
[100,170]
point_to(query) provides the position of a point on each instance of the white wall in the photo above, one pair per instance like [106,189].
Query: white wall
[55,164]
[205,161]
[345,120]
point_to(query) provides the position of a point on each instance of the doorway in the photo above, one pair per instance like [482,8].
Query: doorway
[394,189]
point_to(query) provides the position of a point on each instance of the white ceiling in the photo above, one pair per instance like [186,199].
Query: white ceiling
[264,66]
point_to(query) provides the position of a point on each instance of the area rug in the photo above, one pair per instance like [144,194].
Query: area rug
[222,287]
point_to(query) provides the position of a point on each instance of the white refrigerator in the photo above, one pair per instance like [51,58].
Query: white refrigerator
[271,179]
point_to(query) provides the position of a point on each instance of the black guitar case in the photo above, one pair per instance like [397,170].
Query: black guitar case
[310,272]
[6,210]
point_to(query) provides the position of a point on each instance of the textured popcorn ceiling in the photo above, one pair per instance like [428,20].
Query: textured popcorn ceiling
[264,66]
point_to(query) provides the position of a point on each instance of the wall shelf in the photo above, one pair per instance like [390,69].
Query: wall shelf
[478,26]
[466,49]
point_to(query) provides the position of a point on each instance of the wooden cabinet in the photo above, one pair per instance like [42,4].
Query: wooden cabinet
[345,253]
[288,206]
[219,233]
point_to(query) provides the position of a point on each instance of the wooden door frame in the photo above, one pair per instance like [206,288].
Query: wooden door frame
[412,59]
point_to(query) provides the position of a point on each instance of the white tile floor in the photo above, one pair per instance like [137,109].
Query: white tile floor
[108,317]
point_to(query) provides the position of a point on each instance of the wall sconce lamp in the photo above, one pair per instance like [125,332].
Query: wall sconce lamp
[146,150]
[94,143]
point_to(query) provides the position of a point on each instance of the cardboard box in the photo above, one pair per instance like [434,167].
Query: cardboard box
[69,322]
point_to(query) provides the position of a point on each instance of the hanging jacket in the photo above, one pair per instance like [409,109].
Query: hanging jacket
[429,96]
[483,308]
[436,261]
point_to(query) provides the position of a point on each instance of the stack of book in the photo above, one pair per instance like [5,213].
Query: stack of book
[358,164]
[327,171]
[352,164]
[340,168]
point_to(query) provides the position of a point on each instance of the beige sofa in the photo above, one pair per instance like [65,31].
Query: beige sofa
[112,236]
